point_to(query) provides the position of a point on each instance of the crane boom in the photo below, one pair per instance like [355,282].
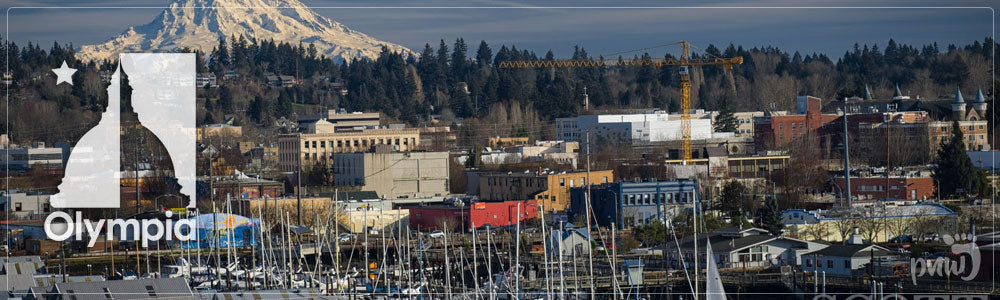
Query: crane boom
[684,61]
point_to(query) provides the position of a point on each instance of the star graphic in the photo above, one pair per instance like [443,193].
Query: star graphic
[64,74]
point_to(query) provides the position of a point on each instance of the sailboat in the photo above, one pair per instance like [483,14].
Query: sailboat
[713,282]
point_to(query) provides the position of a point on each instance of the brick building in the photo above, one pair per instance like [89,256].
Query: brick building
[899,187]
[776,131]
[550,188]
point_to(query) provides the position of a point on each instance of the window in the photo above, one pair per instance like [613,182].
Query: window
[605,179]
[314,144]
[305,144]
[562,181]
[17,206]
[847,264]
[571,182]
[829,263]
[322,144]
[583,181]
[809,263]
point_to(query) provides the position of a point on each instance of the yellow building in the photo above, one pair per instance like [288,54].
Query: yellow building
[497,142]
[878,224]
[550,188]
[313,148]
[219,131]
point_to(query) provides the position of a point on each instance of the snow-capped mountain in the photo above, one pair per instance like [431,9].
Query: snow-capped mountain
[199,24]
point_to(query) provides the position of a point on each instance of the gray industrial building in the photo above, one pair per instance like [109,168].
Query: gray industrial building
[394,175]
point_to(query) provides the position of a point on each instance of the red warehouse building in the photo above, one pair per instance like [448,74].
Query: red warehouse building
[900,188]
[477,215]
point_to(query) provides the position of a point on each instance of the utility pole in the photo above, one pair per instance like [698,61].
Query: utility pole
[298,189]
[590,253]
[847,161]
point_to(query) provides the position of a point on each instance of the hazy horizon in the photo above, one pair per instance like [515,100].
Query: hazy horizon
[600,30]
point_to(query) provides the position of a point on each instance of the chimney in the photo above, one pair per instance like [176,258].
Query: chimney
[855,238]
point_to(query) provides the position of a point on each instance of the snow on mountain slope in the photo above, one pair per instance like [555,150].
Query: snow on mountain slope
[199,24]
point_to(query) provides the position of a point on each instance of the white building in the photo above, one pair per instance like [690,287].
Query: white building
[206,79]
[745,123]
[24,205]
[742,247]
[570,242]
[652,126]
[23,159]
[845,259]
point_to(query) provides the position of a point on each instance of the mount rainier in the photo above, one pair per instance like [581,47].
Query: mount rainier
[198,24]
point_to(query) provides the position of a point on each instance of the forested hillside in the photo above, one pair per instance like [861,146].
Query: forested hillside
[454,80]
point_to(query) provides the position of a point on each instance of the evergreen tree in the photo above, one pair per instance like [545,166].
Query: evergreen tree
[731,198]
[726,121]
[770,217]
[472,161]
[284,108]
[458,60]
[225,99]
[484,54]
[955,172]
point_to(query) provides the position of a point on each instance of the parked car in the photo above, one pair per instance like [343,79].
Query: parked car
[436,234]
[344,237]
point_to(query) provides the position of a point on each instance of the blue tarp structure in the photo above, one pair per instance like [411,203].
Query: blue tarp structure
[223,230]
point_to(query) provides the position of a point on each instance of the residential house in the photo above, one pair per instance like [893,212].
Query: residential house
[281,80]
[570,242]
[845,259]
[735,247]
[206,80]
[25,205]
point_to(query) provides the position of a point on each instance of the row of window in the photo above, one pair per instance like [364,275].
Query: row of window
[829,263]
[359,142]
[800,125]
[971,128]
[650,199]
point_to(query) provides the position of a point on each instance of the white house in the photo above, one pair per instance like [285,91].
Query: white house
[569,242]
[24,205]
[844,259]
[747,247]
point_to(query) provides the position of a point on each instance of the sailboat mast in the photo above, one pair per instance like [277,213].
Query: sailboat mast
[517,252]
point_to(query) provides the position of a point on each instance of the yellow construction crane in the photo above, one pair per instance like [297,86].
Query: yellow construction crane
[684,62]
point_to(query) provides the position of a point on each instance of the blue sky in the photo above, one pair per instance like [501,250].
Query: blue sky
[542,26]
